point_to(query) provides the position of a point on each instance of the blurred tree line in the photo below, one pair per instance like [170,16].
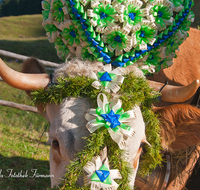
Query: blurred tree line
[20,7]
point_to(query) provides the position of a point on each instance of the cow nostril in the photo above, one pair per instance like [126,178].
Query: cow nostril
[55,143]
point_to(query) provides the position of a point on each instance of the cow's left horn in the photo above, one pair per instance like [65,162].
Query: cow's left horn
[23,81]
[176,93]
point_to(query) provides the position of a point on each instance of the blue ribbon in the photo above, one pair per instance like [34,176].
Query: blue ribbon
[112,118]
[132,16]
[105,77]
[102,174]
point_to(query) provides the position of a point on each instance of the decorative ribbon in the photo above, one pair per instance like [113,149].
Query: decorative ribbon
[133,15]
[153,58]
[99,174]
[117,39]
[62,49]
[111,116]
[46,6]
[58,11]
[161,13]
[103,15]
[71,34]
[172,45]
[50,28]
[108,79]
[144,35]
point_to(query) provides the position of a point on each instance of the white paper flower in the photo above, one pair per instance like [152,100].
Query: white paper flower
[108,79]
[100,176]
[113,117]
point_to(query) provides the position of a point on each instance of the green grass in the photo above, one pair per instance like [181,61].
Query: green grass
[26,26]
[22,150]
[15,117]
[25,35]
[20,133]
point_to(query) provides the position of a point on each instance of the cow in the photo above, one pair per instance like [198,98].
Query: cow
[68,123]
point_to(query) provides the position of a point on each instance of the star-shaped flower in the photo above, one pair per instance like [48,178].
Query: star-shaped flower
[59,10]
[46,6]
[108,79]
[100,175]
[144,35]
[118,41]
[71,34]
[162,15]
[133,14]
[102,15]
[61,48]
[111,116]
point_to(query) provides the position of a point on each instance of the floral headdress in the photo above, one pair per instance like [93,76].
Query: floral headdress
[145,33]
[119,33]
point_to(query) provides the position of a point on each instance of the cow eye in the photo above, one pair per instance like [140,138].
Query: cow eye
[55,143]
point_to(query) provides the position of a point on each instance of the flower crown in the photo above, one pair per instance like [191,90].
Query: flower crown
[120,32]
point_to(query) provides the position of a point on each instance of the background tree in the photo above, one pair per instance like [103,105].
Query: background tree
[20,7]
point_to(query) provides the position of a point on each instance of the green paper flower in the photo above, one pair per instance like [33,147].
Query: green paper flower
[50,28]
[62,49]
[113,118]
[133,15]
[100,174]
[46,6]
[108,79]
[153,59]
[87,55]
[71,34]
[177,3]
[104,14]
[172,45]
[57,11]
[117,39]
[160,12]
[144,35]
[163,64]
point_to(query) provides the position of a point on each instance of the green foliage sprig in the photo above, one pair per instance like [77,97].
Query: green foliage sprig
[94,144]
[134,91]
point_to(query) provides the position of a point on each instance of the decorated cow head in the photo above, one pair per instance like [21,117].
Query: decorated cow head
[94,107]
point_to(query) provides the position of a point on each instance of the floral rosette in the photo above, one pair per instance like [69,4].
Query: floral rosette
[108,79]
[111,116]
[100,176]
[117,32]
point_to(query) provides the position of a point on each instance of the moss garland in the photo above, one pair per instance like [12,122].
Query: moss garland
[134,91]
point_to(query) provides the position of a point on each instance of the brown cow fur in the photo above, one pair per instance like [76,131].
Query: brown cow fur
[180,126]
[186,67]
[32,65]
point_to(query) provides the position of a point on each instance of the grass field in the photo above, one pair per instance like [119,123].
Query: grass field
[26,36]
[20,145]
[20,131]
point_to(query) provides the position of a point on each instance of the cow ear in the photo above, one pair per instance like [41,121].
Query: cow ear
[32,66]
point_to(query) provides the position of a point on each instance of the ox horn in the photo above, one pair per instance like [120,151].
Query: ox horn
[23,81]
[175,93]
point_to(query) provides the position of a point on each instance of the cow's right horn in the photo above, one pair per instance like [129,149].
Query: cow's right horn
[23,81]
[176,93]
